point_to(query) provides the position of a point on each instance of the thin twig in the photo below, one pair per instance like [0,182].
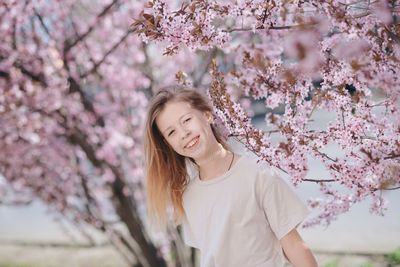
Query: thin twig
[45,28]
[91,28]
[392,157]
[112,49]
[268,28]
[319,181]
[393,188]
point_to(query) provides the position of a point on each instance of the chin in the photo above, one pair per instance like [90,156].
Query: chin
[186,155]
[190,155]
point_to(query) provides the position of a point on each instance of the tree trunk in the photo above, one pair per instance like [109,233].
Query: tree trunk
[127,211]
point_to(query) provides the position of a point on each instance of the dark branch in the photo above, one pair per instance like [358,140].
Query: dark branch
[4,74]
[35,77]
[88,195]
[325,155]
[76,137]
[393,188]
[75,87]
[84,44]
[320,181]
[14,34]
[69,45]
[199,79]
[287,27]
[42,23]
[392,157]
[112,49]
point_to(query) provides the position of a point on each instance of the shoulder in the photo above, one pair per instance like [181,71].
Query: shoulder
[252,164]
[264,176]
[256,172]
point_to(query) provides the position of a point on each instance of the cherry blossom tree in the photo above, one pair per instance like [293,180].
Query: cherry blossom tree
[340,57]
[74,85]
[75,79]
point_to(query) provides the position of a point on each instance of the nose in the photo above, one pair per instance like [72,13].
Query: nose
[185,133]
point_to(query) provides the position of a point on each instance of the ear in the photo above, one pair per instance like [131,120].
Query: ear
[209,116]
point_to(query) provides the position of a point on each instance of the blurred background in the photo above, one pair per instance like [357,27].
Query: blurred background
[75,81]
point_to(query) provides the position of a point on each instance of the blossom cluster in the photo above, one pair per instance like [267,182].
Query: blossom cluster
[303,57]
[74,86]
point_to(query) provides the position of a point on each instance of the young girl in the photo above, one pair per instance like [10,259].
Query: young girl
[236,211]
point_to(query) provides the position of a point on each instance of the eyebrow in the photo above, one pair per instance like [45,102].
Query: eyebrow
[179,119]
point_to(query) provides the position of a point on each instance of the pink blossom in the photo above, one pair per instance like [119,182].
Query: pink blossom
[381,10]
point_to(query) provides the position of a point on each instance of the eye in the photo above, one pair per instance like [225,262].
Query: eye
[187,119]
[170,133]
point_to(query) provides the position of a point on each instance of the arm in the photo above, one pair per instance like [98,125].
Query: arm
[297,251]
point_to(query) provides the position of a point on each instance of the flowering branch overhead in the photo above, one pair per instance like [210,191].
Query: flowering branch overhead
[302,59]
[75,80]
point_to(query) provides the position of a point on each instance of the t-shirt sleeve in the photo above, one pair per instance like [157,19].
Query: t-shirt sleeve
[283,209]
[187,235]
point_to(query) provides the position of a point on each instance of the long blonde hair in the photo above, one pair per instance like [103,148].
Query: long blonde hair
[166,171]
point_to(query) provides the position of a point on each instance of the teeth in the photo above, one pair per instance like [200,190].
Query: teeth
[192,143]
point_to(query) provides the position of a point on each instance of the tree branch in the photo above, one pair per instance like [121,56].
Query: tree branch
[75,87]
[71,44]
[285,27]
[112,49]
[320,181]
[35,77]
[84,44]
[4,74]
[199,79]
[42,22]
[76,137]
[393,188]
[392,157]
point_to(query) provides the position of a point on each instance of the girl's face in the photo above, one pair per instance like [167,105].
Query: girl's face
[187,130]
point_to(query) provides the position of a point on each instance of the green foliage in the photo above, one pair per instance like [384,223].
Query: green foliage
[394,257]
[367,264]
[332,263]
[13,264]
[35,264]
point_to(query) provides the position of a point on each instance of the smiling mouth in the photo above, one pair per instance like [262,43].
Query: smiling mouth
[193,142]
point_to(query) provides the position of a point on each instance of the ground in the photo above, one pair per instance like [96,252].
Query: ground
[106,256]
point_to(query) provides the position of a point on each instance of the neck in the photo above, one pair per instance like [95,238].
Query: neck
[215,163]
[219,152]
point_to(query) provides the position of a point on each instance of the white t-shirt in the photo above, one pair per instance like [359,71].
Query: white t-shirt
[237,219]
